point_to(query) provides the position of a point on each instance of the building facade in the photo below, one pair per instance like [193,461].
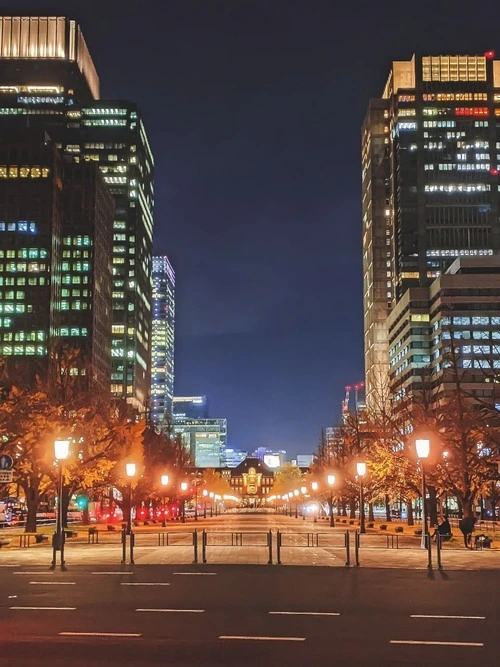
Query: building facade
[430,185]
[252,481]
[204,439]
[55,260]
[190,407]
[60,94]
[162,340]
[449,330]
[233,457]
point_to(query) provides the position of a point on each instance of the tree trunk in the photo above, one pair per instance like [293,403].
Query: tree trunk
[371,515]
[411,521]
[344,508]
[32,500]
[388,516]
[467,509]
[352,503]
[86,516]
[481,504]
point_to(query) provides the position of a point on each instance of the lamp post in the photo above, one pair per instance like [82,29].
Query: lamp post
[331,481]
[303,490]
[314,488]
[423,447]
[211,496]
[164,482]
[61,451]
[204,494]
[131,470]
[184,486]
[296,493]
[361,470]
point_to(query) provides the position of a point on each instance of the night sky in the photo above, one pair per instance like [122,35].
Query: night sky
[253,110]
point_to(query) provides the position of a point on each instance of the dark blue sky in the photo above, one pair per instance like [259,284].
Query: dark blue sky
[254,108]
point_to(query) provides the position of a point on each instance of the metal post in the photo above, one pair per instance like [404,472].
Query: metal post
[270,544]
[347,549]
[129,521]
[362,528]
[438,543]
[195,546]
[425,531]
[204,546]
[183,510]
[164,521]
[278,547]
[356,547]
[205,509]
[132,542]
[332,520]
[196,502]
[124,545]
[296,509]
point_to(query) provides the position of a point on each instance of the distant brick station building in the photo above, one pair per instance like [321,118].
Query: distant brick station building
[252,481]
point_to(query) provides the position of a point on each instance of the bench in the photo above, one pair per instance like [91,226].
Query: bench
[25,539]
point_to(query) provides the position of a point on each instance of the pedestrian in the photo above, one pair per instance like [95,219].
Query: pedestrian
[466,525]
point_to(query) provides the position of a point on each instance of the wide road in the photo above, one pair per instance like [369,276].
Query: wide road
[246,615]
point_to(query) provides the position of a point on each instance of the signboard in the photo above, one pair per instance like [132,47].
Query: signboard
[6,462]
[6,476]
[272,460]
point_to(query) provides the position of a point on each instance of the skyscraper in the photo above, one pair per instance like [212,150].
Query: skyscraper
[56,221]
[48,80]
[190,407]
[430,184]
[162,352]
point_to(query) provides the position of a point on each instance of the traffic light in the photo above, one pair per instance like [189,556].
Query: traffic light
[82,502]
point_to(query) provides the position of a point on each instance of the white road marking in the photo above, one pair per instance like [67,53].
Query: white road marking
[412,641]
[138,583]
[305,613]
[100,634]
[34,572]
[178,611]
[197,574]
[125,572]
[476,618]
[52,583]
[44,608]
[264,639]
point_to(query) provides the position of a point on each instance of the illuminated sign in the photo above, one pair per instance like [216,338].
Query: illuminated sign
[272,460]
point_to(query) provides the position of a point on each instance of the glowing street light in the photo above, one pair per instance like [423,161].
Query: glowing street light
[331,481]
[361,470]
[61,451]
[314,486]
[164,479]
[423,447]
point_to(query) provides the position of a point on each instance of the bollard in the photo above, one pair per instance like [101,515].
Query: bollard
[278,547]
[132,542]
[357,538]
[438,547]
[124,546]
[347,549]
[195,546]
[204,546]
[270,545]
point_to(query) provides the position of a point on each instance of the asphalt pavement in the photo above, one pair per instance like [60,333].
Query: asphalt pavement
[193,616]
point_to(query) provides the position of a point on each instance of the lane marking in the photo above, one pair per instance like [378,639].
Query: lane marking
[412,641]
[175,611]
[196,574]
[44,608]
[305,613]
[264,639]
[52,583]
[125,572]
[138,583]
[100,634]
[477,618]
[35,572]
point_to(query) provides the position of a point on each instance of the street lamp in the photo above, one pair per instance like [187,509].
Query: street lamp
[314,486]
[211,496]
[131,470]
[164,482]
[331,481]
[361,470]
[204,494]
[296,493]
[61,451]
[184,487]
[423,448]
